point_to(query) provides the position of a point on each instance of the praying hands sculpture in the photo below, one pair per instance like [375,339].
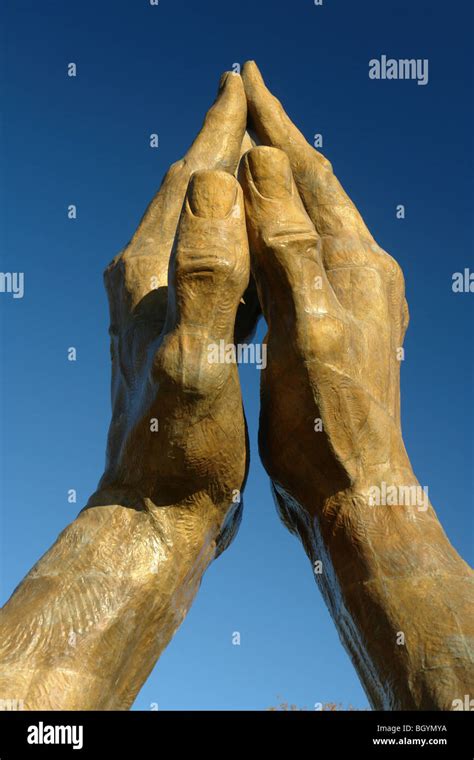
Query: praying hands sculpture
[234,227]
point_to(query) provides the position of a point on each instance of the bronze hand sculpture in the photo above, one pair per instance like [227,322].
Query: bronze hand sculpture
[87,624]
[399,594]
[85,627]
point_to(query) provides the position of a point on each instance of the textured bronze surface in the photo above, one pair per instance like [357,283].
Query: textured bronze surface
[87,624]
[85,627]
[330,434]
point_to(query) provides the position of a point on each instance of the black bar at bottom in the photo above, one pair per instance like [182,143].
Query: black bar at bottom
[373,734]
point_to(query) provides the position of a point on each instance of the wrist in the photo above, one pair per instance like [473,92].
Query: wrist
[384,526]
[397,590]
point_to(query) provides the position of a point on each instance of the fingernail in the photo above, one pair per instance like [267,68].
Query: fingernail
[212,194]
[271,172]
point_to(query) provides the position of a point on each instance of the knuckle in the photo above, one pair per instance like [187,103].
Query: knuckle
[324,338]
[300,238]
[216,264]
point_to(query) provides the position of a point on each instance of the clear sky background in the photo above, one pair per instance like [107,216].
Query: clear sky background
[85,141]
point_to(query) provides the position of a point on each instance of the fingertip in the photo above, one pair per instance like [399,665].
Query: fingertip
[229,77]
[212,194]
[231,82]
[268,171]
[251,71]
[253,82]
[219,141]
[231,101]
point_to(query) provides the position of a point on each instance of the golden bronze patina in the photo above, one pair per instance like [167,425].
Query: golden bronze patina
[85,627]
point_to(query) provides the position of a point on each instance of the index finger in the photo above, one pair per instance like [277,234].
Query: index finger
[347,243]
[216,147]
[328,205]
[145,259]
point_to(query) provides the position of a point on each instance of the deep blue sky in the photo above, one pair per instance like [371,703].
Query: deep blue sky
[145,69]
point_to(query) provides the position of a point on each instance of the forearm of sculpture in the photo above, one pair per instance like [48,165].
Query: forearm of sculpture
[85,627]
[330,439]
[399,594]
